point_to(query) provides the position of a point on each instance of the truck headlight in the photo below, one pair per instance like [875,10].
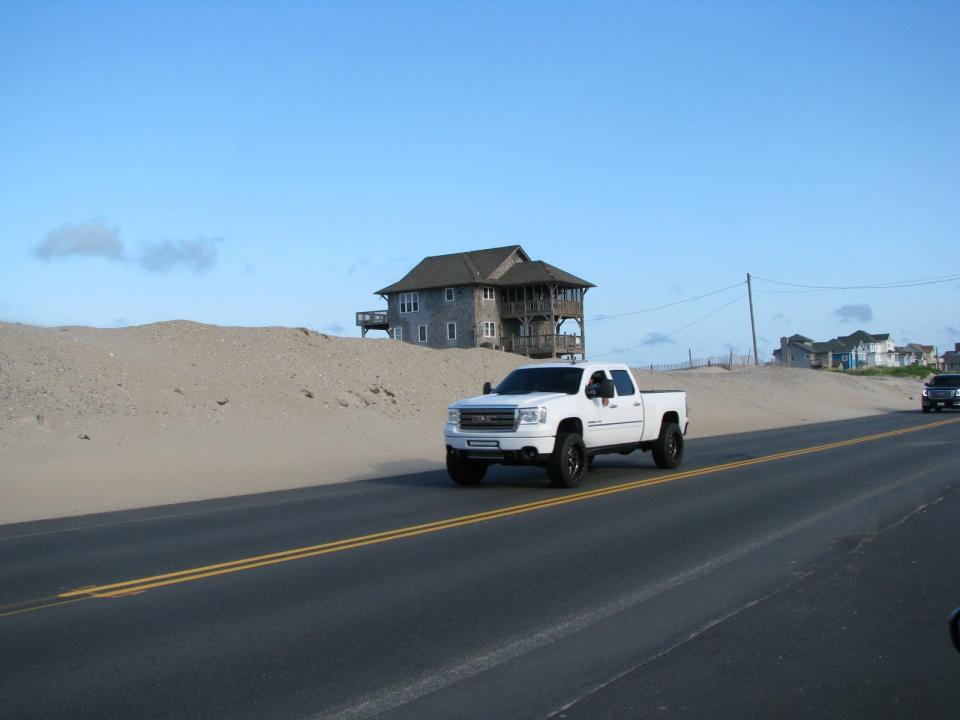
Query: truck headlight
[533,416]
[925,392]
[957,392]
[453,416]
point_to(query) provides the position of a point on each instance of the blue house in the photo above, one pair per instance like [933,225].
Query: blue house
[848,352]
[846,360]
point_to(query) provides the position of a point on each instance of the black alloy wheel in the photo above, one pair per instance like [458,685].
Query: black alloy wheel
[568,463]
[668,449]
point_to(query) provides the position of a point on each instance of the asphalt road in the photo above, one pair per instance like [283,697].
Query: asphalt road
[805,572]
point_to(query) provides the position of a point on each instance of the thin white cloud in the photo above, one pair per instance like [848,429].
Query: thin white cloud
[657,339]
[95,238]
[199,254]
[89,239]
[861,312]
[365,263]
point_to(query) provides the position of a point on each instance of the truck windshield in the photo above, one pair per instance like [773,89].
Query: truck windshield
[547,379]
[942,381]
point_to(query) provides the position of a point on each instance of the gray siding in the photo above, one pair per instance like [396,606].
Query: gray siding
[435,312]
[487,310]
[794,356]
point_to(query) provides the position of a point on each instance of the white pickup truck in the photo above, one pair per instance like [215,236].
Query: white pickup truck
[561,416]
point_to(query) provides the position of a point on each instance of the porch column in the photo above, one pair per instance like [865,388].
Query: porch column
[553,319]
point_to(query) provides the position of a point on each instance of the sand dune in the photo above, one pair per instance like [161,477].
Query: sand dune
[104,419]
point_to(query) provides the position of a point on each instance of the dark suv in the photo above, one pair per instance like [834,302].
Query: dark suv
[941,392]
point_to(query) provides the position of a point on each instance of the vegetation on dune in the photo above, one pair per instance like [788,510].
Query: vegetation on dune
[908,371]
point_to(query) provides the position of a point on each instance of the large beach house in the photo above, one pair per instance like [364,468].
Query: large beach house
[497,298]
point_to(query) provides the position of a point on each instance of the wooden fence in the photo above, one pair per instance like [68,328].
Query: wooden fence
[727,362]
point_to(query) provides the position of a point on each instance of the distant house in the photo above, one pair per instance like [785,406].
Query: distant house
[851,351]
[951,359]
[879,350]
[800,351]
[497,298]
[916,354]
[846,352]
[794,351]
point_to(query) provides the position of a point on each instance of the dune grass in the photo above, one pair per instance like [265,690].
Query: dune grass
[909,371]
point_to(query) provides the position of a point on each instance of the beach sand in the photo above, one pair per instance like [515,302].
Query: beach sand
[93,420]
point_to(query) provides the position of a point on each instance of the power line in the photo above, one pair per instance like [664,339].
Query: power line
[881,286]
[661,307]
[660,337]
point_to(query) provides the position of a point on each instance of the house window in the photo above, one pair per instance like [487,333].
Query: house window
[489,329]
[448,294]
[451,331]
[422,330]
[409,302]
[396,333]
[488,293]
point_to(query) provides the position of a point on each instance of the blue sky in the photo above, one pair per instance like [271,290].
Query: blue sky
[274,163]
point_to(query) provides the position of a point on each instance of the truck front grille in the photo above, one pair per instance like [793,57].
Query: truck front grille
[941,394]
[488,419]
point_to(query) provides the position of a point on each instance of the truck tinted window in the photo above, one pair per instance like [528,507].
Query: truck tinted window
[549,379]
[623,383]
[946,381]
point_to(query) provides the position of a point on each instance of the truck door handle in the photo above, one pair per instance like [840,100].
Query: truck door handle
[637,404]
[613,405]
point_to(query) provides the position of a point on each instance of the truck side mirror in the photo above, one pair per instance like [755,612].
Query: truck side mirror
[606,388]
[487,388]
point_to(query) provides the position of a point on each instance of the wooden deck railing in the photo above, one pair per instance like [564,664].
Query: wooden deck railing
[372,317]
[523,308]
[542,344]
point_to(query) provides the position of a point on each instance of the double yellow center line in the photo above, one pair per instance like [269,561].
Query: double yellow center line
[139,585]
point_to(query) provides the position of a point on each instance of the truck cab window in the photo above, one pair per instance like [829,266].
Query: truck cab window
[623,383]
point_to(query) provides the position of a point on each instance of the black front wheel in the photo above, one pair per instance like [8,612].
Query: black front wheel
[668,449]
[465,472]
[568,463]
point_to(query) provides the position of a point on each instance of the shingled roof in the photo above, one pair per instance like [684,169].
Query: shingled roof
[863,336]
[538,271]
[464,268]
[476,267]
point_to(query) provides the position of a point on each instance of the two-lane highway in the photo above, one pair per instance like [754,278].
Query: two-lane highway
[409,597]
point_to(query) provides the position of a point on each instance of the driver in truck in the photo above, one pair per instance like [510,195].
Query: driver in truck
[593,387]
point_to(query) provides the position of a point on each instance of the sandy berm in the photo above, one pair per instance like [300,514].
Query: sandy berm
[93,420]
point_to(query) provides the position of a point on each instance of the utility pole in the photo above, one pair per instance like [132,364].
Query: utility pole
[753,327]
